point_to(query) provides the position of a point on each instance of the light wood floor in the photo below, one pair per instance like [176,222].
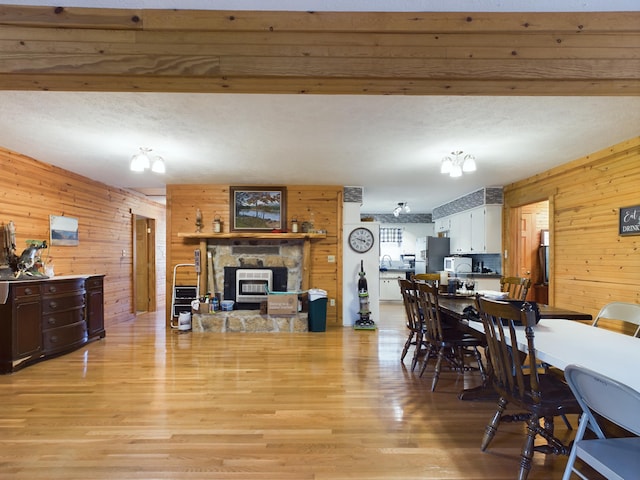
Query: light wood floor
[147,403]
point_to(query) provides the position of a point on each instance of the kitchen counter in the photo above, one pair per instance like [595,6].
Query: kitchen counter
[483,281]
[400,270]
[478,275]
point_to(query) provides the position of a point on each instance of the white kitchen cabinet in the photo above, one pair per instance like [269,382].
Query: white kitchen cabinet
[389,286]
[460,232]
[478,230]
[486,229]
[442,225]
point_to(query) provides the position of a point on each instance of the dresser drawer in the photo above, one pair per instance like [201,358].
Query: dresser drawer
[26,289]
[63,286]
[64,338]
[60,319]
[93,282]
[60,304]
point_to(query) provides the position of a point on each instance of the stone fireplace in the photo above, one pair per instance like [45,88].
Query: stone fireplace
[247,250]
[226,257]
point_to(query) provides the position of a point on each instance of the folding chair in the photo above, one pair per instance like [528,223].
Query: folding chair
[624,313]
[615,458]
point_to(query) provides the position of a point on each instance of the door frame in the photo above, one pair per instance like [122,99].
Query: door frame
[511,257]
[150,256]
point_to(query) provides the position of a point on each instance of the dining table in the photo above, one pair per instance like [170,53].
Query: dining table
[453,307]
[452,311]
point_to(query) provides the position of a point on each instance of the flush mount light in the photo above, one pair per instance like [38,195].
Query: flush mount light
[140,161]
[158,165]
[143,160]
[402,207]
[456,165]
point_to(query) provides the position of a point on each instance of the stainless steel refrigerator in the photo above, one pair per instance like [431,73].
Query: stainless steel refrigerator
[430,253]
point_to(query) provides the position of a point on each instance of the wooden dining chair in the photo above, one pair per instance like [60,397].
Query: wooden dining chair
[448,344]
[426,277]
[518,382]
[626,315]
[516,287]
[415,322]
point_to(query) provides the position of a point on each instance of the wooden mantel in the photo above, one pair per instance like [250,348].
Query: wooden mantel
[306,251]
[253,235]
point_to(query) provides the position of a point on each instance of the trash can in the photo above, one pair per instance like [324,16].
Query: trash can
[317,310]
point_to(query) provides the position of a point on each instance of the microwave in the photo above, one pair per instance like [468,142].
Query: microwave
[458,264]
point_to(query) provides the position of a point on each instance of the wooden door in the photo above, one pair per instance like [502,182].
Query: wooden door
[144,264]
[528,250]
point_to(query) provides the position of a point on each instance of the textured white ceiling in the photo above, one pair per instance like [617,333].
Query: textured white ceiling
[390,145]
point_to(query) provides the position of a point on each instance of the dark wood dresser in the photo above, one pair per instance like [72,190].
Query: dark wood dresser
[40,319]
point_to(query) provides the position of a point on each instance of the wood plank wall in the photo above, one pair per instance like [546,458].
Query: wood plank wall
[320,204]
[591,265]
[31,190]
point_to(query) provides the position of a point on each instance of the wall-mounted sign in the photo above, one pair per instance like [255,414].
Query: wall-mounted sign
[629,220]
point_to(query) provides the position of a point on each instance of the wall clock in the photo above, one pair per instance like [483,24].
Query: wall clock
[361,240]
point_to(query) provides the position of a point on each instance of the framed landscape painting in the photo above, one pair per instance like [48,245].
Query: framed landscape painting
[258,209]
[64,231]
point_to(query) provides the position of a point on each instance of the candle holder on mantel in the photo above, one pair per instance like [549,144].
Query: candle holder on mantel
[198,221]
[217,225]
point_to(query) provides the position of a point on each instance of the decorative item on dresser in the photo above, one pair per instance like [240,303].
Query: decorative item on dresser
[40,319]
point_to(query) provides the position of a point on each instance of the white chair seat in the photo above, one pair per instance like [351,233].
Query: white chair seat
[615,458]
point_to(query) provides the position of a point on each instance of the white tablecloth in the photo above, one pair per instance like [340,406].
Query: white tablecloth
[563,342]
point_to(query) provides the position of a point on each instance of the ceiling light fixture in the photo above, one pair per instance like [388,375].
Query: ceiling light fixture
[455,166]
[402,207]
[142,161]
[158,165]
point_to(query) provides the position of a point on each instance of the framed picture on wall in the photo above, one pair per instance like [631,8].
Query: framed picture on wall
[258,209]
[64,231]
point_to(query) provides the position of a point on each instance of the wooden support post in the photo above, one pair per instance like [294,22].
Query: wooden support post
[306,263]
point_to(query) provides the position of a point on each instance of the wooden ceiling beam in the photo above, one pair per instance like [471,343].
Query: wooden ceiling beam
[319,86]
[47,48]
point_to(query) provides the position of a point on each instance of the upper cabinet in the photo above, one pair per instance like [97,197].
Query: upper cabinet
[442,225]
[478,230]
[487,229]
[460,232]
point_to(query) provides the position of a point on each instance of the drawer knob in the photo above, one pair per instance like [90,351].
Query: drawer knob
[51,321]
[53,304]
[52,288]
[28,291]
[53,339]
